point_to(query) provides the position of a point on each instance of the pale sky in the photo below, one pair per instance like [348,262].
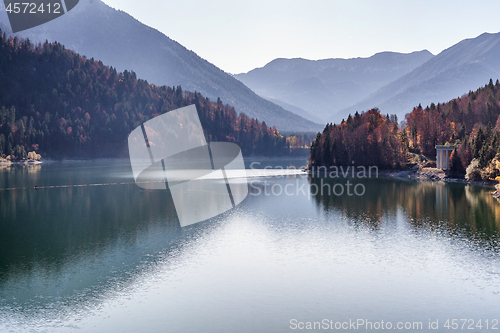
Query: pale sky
[238,36]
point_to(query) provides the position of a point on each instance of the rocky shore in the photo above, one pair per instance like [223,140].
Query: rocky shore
[430,173]
[4,162]
[33,158]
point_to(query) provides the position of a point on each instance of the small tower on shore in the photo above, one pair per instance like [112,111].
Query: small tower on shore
[443,154]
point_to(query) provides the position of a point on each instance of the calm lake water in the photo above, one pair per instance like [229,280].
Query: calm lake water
[113,258]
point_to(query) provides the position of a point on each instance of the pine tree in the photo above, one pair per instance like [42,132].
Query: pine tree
[478,143]
[2,144]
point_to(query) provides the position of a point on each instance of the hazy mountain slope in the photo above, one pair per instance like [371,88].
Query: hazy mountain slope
[3,26]
[324,86]
[465,66]
[295,109]
[96,30]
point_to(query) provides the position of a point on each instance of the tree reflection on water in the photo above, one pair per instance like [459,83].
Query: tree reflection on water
[456,208]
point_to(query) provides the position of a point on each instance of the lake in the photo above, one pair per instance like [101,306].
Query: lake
[398,254]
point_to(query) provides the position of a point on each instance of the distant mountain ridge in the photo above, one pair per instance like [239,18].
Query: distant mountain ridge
[96,30]
[322,87]
[460,68]
[395,83]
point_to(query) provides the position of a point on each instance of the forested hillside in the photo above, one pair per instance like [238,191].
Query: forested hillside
[471,123]
[60,104]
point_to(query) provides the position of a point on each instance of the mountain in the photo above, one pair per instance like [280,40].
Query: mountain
[464,66]
[322,87]
[117,39]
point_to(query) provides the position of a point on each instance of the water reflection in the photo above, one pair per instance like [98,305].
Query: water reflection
[56,243]
[453,207]
[73,243]
[75,246]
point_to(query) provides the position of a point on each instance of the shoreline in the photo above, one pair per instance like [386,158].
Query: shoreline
[416,173]
[75,160]
[427,174]
[433,174]
[7,163]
